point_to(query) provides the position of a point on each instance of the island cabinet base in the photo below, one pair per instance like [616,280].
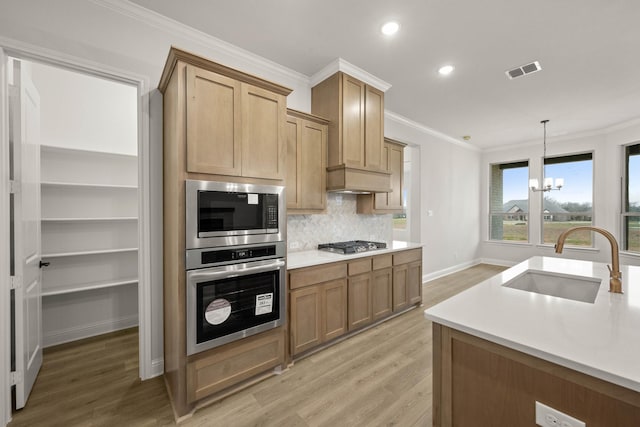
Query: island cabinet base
[479,383]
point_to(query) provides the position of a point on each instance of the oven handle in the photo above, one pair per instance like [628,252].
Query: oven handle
[235,270]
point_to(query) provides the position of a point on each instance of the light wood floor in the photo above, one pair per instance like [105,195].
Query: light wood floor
[381,377]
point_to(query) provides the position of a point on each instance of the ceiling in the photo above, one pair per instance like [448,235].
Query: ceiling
[589,51]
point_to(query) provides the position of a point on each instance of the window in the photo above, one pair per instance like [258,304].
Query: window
[571,206]
[509,202]
[631,214]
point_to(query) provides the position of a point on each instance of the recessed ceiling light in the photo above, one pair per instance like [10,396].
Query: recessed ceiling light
[446,70]
[390,28]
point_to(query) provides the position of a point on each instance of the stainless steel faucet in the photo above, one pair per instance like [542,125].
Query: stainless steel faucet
[615,276]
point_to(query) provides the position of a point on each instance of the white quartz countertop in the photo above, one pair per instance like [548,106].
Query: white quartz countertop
[600,339]
[315,257]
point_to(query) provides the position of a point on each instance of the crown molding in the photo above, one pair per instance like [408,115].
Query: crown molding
[340,64]
[389,115]
[568,137]
[161,22]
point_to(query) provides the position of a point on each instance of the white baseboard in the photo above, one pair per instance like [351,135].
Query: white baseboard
[501,262]
[157,368]
[454,269]
[459,267]
[86,331]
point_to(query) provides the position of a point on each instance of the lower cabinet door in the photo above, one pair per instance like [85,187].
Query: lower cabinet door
[214,370]
[381,293]
[306,318]
[400,289]
[334,309]
[414,279]
[359,301]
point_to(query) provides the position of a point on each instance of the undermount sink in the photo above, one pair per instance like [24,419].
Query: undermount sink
[577,288]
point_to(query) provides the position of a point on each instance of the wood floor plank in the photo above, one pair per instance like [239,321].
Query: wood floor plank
[381,377]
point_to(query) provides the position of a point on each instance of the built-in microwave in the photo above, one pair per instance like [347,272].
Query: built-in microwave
[228,214]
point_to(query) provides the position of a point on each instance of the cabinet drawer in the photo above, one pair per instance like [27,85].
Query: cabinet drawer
[405,257]
[360,266]
[382,261]
[234,363]
[314,275]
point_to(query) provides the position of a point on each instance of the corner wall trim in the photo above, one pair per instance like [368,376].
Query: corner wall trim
[157,368]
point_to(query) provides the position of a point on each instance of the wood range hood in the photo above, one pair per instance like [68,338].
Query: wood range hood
[344,179]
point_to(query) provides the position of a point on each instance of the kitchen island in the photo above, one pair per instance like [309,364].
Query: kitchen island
[498,350]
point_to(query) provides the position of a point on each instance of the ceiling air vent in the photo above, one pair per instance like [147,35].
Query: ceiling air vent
[523,70]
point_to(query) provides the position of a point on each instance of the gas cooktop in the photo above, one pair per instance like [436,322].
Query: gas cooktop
[351,247]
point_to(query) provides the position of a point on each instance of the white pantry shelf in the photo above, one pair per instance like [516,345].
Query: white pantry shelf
[95,252]
[68,289]
[85,185]
[106,219]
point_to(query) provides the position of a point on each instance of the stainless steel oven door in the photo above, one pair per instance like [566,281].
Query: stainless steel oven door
[231,302]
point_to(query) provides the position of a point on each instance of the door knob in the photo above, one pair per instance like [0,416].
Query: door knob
[44,264]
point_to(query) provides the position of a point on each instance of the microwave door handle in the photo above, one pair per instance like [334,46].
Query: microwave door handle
[228,272]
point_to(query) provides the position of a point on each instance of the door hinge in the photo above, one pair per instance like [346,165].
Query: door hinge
[15,282]
[15,377]
[14,187]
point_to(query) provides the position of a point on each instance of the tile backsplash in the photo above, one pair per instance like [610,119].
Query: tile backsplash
[340,223]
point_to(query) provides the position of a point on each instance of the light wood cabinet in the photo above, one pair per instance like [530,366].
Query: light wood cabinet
[329,300]
[407,278]
[318,314]
[318,305]
[356,133]
[471,375]
[334,309]
[359,301]
[306,163]
[233,126]
[382,286]
[305,307]
[213,371]
[214,124]
[391,202]
[217,123]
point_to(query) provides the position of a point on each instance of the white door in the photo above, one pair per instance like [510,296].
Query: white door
[24,113]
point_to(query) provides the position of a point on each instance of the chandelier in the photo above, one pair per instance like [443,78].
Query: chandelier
[547,183]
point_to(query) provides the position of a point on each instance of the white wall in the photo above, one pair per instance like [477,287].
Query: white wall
[448,189]
[86,112]
[608,170]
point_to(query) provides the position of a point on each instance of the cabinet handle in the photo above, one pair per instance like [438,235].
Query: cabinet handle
[44,264]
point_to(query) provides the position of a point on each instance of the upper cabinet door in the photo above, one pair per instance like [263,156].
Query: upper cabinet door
[213,123]
[263,133]
[353,114]
[374,129]
[306,163]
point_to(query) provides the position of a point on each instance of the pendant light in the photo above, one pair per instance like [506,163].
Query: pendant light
[547,183]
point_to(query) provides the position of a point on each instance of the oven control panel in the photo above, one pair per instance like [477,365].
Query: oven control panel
[209,257]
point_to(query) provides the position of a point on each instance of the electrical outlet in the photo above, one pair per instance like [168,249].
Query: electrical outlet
[549,417]
[294,244]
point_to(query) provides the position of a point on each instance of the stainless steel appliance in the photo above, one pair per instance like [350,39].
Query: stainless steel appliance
[351,247]
[228,214]
[233,292]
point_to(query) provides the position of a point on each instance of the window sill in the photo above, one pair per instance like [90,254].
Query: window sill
[508,243]
[630,254]
[570,248]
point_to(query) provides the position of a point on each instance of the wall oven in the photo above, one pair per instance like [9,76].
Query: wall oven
[233,292]
[228,214]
